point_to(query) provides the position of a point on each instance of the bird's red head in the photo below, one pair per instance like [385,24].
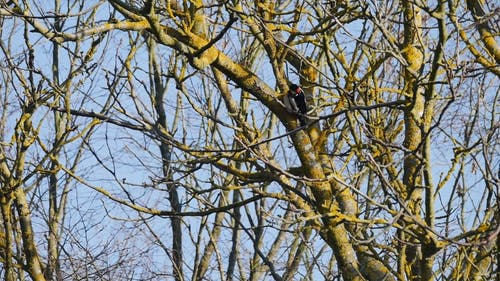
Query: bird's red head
[295,89]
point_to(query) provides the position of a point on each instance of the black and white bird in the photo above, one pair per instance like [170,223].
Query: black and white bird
[298,104]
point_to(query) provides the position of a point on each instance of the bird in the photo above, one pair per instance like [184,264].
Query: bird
[298,103]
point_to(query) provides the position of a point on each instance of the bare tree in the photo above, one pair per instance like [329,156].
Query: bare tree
[183,123]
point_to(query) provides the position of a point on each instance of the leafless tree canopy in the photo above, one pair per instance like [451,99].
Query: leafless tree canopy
[151,140]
